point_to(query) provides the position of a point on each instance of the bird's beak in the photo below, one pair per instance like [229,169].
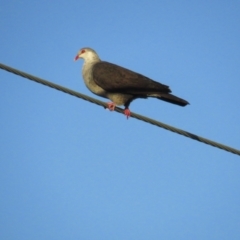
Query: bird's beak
[76,58]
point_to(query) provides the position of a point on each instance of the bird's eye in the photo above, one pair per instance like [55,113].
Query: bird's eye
[83,51]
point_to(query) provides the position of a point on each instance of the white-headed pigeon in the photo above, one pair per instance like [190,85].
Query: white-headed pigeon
[119,84]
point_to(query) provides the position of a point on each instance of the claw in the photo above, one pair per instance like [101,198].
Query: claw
[111,106]
[127,112]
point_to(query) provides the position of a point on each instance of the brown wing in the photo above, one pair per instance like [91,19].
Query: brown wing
[114,78]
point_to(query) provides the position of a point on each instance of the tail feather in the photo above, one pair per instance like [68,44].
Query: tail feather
[173,99]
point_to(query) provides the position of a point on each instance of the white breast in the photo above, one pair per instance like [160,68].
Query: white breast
[90,83]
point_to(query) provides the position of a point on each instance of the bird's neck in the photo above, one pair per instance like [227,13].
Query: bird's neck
[91,58]
[88,62]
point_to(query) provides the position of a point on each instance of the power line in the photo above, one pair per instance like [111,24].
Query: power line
[119,110]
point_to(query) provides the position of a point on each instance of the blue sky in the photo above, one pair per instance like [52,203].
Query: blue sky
[72,170]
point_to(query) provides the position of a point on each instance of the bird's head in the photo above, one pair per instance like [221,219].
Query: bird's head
[87,54]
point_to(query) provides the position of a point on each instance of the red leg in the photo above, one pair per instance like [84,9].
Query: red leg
[127,112]
[111,106]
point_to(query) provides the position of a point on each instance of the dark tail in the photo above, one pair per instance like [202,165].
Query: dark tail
[173,99]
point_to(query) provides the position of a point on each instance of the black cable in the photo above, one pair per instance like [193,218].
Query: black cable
[119,110]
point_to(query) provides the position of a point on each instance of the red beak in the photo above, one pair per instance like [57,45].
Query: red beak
[76,58]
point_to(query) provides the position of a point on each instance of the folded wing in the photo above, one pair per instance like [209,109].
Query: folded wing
[114,78]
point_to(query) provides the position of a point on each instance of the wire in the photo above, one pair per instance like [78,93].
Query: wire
[119,110]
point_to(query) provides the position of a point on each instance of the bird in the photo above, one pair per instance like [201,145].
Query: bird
[120,84]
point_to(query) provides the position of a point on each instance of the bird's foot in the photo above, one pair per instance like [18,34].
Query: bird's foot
[111,106]
[127,112]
